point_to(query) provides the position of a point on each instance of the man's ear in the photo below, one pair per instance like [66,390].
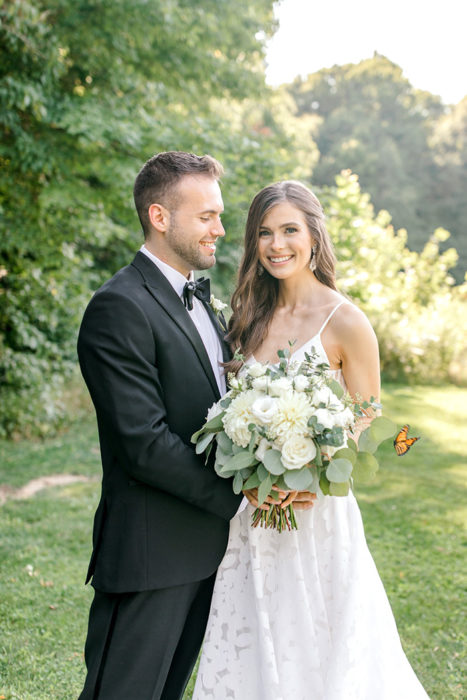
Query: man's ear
[159,217]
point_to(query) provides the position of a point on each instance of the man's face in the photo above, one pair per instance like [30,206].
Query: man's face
[195,224]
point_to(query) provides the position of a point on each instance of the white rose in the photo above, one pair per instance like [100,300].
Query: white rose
[215,410]
[301,382]
[262,448]
[264,409]
[279,387]
[325,418]
[297,451]
[256,370]
[261,383]
[234,383]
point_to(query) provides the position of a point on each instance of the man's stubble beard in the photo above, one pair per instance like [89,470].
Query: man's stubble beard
[187,250]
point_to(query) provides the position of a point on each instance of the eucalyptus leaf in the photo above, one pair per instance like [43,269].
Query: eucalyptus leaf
[280,483]
[264,489]
[382,428]
[324,485]
[237,483]
[299,479]
[240,461]
[273,463]
[336,388]
[252,482]
[224,442]
[221,457]
[252,443]
[208,452]
[223,472]
[215,423]
[352,445]
[365,467]
[195,437]
[262,472]
[341,489]
[204,442]
[339,470]
[346,453]
[366,442]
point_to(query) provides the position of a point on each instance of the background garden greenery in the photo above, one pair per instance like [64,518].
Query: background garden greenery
[89,90]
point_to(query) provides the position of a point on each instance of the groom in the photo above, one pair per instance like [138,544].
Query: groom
[150,349]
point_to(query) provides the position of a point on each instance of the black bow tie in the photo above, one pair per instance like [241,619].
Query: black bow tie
[201,289]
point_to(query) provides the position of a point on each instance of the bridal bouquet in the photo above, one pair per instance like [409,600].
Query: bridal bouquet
[286,426]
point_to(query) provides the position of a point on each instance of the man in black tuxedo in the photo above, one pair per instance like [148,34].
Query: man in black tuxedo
[150,354]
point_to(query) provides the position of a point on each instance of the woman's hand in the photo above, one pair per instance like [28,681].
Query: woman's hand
[302,500]
[252,496]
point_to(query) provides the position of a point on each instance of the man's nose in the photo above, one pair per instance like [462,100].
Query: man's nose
[218,229]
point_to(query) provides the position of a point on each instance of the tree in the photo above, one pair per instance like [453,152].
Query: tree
[369,119]
[88,91]
[419,316]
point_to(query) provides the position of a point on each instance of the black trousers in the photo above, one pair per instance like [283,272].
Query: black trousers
[143,646]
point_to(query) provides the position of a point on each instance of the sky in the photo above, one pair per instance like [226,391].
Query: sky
[426,39]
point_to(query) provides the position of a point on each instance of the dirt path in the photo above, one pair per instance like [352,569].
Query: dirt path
[43,482]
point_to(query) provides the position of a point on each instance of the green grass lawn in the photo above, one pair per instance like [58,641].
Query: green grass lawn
[414,513]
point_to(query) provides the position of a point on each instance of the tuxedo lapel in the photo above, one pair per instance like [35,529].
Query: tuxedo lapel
[221,330]
[164,294]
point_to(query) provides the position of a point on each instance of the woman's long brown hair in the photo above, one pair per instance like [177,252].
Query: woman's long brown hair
[255,297]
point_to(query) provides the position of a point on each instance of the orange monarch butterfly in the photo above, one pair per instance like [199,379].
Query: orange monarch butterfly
[402,443]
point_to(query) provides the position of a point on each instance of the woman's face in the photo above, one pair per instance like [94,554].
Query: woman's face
[285,242]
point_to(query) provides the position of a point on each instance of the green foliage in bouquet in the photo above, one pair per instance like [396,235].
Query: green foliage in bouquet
[285,427]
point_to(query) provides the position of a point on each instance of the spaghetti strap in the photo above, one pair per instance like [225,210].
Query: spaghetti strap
[330,316]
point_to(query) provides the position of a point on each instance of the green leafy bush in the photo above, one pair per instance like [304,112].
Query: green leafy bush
[419,316]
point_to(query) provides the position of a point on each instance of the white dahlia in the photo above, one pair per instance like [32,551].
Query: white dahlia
[293,412]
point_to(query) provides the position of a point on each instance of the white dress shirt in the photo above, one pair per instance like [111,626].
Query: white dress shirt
[199,316]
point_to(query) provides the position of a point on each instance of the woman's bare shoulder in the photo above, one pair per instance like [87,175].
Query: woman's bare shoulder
[352,325]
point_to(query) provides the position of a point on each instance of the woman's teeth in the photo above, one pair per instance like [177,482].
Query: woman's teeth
[283,258]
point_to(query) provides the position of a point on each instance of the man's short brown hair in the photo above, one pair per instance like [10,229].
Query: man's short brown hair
[157,180]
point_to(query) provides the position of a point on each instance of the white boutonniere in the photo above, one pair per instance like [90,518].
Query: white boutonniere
[217,305]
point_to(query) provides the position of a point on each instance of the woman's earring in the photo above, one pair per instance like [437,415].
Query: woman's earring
[313,259]
[259,269]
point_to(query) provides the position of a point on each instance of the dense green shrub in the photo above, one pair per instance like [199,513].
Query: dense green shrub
[419,316]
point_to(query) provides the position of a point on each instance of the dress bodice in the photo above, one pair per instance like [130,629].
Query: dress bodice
[315,345]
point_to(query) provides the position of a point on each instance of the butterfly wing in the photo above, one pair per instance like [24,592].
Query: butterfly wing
[402,443]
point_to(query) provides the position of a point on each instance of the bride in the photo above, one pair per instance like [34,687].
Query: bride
[301,615]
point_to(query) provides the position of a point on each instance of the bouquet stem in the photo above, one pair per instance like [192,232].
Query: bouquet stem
[275,517]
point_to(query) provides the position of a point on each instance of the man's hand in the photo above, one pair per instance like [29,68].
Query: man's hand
[304,500]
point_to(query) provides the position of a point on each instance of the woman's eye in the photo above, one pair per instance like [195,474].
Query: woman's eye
[290,229]
[204,218]
[263,233]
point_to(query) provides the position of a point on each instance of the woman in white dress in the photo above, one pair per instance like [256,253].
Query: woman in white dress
[301,615]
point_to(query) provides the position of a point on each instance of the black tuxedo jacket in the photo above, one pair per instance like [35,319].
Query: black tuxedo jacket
[163,517]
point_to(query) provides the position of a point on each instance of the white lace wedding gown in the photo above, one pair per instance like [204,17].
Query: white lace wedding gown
[303,615]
